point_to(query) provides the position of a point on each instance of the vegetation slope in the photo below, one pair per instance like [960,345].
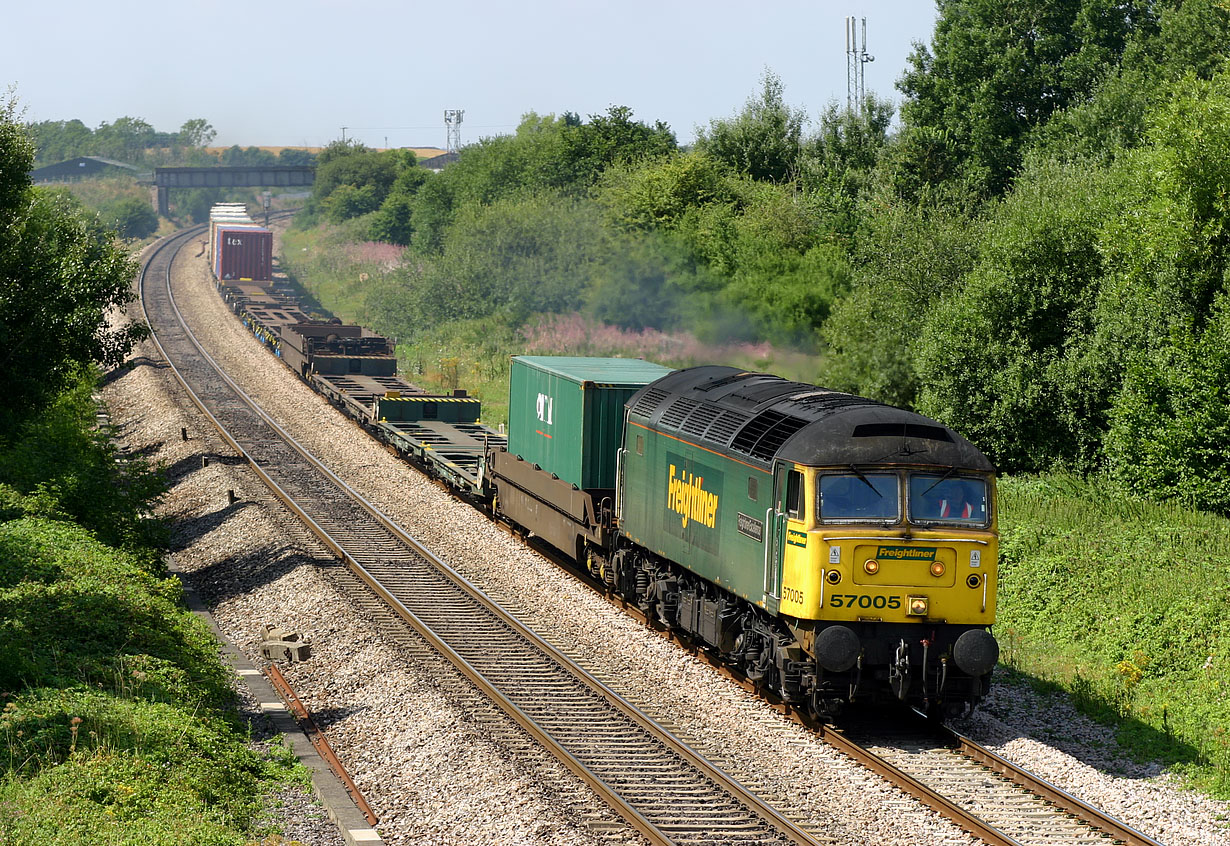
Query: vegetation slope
[116,719]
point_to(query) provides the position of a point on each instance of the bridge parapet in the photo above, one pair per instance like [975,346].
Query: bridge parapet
[272,176]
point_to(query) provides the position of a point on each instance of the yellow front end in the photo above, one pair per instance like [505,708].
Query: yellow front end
[901,573]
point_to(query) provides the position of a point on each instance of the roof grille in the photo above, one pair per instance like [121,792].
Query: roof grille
[678,410]
[724,428]
[766,433]
[700,418]
[648,402]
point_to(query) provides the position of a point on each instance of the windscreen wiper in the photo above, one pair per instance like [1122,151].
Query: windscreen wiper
[940,479]
[867,482]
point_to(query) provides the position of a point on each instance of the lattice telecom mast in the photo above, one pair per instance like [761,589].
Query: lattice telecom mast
[856,59]
[452,125]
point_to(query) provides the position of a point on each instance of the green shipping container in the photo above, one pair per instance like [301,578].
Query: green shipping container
[566,413]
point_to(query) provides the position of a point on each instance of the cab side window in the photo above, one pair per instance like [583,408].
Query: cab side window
[794,495]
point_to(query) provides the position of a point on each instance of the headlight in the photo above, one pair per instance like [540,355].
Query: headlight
[937,568]
[871,566]
[917,606]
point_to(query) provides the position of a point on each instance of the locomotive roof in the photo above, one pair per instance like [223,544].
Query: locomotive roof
[764,417]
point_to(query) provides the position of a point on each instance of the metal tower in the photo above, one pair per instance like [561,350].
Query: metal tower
[856,59]
[452,125]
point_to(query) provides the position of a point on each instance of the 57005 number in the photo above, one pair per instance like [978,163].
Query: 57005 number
[850,600]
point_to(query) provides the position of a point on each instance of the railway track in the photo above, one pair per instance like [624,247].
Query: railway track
[985,794]
[654,781]
[662,788]
[968,784]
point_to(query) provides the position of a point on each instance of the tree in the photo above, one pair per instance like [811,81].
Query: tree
[196,133]
[59,276]
[366,175]
[126,139]
[764,140]
[999,354]
[394,222]
[910,257]
[588,149]
[296,157]
[1171,422]
[996,70]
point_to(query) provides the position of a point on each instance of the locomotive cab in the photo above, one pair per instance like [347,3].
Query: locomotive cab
[891,571]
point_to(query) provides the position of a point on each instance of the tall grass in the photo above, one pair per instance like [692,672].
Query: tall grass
[1123,603]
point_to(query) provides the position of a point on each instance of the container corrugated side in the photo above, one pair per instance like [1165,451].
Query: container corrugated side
[244,253]
[566,413]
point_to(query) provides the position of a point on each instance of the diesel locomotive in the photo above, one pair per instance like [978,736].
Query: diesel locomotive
[833,548]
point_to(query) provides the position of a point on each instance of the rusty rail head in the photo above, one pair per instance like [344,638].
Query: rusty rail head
[318,740]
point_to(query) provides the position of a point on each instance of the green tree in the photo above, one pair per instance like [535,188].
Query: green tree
[296,157]
[196,133]
[126,139]
[131,217]
[763,141]
[1195,37]
[588,149]
[657,193]
[364,177]
[999,351]
[1171,421]
[349,201]
[911,257]
[58,140]
[512,258]
[394,222]
[994,71]
[59,275]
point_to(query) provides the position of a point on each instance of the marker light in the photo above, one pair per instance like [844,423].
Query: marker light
[937,568]
[833,577]
[974,580]
[917,606]
[871,566]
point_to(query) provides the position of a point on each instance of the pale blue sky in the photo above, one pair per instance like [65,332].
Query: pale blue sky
[274,72]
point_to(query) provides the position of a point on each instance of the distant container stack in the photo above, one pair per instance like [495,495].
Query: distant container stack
[239,249]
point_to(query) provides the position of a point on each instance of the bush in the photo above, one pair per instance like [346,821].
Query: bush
[132,218]
[1171,422]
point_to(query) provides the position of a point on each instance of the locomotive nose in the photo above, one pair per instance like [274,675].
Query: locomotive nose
[976,652]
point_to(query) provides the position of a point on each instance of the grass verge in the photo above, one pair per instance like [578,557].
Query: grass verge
[1122,603]
[115,711]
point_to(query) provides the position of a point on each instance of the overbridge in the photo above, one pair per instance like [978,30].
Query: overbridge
[274,176]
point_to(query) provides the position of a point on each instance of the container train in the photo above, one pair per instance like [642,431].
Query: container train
[833,549]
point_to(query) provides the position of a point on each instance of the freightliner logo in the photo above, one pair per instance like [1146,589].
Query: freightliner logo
[686,496]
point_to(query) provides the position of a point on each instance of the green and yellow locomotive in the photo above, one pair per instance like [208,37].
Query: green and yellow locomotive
[833,548]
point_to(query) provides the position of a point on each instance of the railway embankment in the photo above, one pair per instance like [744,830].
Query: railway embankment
[1109,605]
[118,720]
[1119,605]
